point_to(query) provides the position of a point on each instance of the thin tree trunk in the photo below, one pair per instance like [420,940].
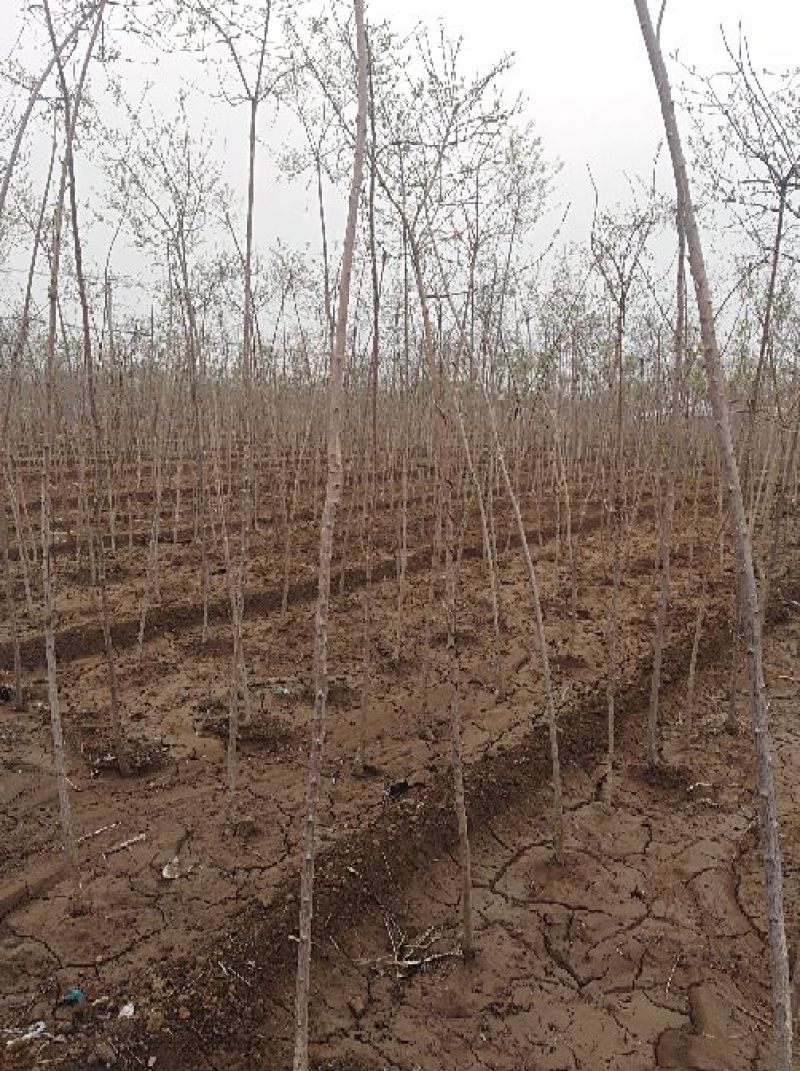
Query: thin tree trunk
[776,526]
[751,621]
[698,631]
[102,481]
[333,494]
[552,723]
[653,756]
[47,482]
[11,607]
[33,98]
[443,405]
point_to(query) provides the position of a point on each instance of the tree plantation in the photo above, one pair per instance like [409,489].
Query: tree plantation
[400,658]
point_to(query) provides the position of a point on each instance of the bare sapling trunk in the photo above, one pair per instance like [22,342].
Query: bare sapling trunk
[371,446]
[46,534]
[248,504]
[47,471]
[289,510]
[366,657]
[490,518]
[18,701]
[464,498]
[618,263]
[176,513]
[102,482]
[747,477]
[488,552]
[430,599]
[27,550]
[235,574]
[541,638]
[457,758]
[766,484]
[693,529]
[333,494]
[702,606]
[563,481]
[239,689]
[443,408]
[617,523]
[33,98]
[55,709]
[751,620]
[402,556]
[487,530]
[151,592]
[14,386]
[776,523]
[194,359]
[348,520]
[665,542]
[283,495]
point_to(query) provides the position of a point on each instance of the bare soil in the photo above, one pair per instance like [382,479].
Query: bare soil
[644,948]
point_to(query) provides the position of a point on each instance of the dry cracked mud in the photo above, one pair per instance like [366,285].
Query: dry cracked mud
[644,947]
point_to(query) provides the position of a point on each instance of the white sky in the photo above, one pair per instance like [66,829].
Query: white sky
[581,66]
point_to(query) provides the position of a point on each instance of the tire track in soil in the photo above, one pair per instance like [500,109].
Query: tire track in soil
[213,1019]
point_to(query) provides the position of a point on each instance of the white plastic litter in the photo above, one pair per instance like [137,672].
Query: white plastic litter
[171,870]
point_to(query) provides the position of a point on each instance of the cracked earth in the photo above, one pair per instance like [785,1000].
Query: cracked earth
[644,948]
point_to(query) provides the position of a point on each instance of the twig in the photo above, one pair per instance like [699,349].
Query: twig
[97,832]
[124,844]
[753,1015]
[678,961]
[409,956]
[230,972]
[408,965]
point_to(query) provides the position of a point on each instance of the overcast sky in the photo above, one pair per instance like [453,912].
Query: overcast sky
[581,66]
